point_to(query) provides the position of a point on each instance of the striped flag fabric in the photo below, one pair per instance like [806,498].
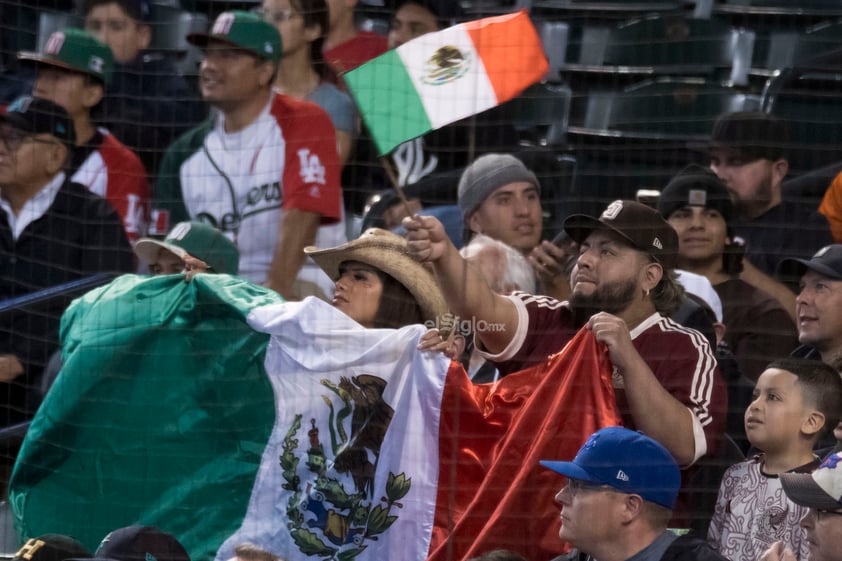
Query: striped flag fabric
[442,77]
[220,414]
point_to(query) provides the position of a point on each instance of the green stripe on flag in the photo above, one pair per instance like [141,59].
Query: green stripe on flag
[159,416]
[388,101]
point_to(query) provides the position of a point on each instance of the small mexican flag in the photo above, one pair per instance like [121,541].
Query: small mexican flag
[442,77]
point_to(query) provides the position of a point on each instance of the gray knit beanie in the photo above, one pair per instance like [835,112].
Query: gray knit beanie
[487,174]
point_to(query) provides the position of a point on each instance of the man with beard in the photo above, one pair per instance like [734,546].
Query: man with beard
[747,152]
[623,288]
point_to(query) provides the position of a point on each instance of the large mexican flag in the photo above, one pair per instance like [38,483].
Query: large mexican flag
[221,414]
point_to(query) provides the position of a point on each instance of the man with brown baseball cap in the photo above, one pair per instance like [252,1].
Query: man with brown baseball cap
[623,289]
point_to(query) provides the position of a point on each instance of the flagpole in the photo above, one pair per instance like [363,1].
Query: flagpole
[387,165]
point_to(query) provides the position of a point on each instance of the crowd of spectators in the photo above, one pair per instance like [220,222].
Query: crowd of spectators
[262,168]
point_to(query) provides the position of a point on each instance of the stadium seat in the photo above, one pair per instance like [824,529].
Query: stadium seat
[556,172]
[170,26]
[540,114]
[664,109]
[664,45]
[604,10]
[809,188]
[781,7]
[554,36]
[50,22]
[484,8]
[792,48]
[809,101]
[379,25]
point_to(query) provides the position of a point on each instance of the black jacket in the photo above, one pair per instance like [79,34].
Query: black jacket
[80,235]
[684,548]
[147,105]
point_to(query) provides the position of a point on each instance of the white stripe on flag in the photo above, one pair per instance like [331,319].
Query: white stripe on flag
[452,99]
[313,505]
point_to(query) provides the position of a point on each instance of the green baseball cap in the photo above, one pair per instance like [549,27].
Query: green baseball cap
[77,50]
[244,30]
[198,239]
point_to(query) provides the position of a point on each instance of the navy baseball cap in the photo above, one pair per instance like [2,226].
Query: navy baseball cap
[628,461]
[51,547]
[827,261]
[139,543]
[36,115]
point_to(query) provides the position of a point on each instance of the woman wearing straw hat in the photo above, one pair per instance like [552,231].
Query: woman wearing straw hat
[377,284]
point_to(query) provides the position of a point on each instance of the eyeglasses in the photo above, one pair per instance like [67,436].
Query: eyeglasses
[576,486]
[13,139]
[821,512]
[278,17]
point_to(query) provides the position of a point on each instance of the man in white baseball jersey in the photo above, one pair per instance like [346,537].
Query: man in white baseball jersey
[264,170]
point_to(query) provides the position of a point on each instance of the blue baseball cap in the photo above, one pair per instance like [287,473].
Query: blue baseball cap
[628,461]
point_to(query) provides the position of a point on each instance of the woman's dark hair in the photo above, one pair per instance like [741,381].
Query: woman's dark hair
[314,12]
[398,307]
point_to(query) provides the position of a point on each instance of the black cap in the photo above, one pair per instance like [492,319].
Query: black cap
[140,543]
[40,116]
[51,547]
[696,186]
[827,261]
[640,225]
[752,134]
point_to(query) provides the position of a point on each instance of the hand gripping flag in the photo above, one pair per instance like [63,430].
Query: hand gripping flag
[445,76]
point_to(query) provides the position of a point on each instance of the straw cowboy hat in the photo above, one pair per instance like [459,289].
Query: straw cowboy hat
[386,252]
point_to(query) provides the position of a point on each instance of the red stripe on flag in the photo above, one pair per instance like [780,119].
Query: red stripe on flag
[492,492]
[511,51]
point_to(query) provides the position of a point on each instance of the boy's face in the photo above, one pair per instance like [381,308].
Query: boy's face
[113,26]
[702,232]
[71,90]
[777,414]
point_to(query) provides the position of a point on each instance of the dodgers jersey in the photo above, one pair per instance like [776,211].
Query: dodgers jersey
[243,182]
[115,173]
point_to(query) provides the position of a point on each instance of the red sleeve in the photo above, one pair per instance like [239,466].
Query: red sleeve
[683,362]
[128,186]
[311,168]
[546,331]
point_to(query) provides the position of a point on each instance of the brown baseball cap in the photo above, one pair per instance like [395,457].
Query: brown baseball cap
[640,225]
